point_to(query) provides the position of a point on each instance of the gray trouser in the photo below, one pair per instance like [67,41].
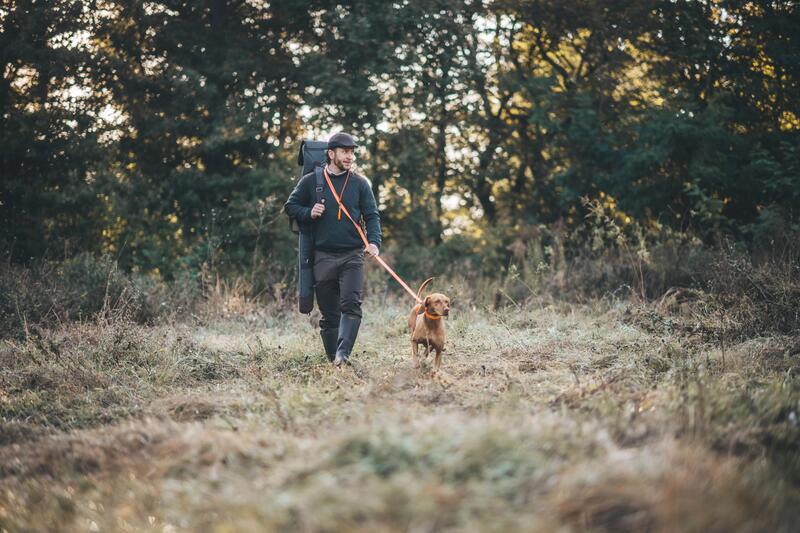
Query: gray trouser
[339,278]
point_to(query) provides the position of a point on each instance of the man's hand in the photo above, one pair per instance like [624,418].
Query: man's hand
[372,250]
[317,210]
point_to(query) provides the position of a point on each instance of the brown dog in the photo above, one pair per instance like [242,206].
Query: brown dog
[426,326]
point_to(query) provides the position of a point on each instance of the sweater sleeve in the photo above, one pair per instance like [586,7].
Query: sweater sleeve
[372,218]
[298,206]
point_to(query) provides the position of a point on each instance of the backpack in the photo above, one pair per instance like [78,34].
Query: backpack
[311,156]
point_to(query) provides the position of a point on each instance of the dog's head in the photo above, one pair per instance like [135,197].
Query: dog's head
[437,304]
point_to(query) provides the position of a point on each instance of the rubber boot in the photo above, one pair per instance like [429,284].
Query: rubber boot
[329,341]
[348,331]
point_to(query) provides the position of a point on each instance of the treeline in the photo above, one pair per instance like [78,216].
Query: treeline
[165,132]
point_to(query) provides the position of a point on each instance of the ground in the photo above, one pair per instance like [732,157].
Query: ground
[548,416]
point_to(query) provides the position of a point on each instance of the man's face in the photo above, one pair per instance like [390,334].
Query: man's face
[343,157]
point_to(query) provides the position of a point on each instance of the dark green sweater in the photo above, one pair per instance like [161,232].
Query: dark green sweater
[330,234]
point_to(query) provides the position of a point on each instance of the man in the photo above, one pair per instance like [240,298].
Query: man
[338,248]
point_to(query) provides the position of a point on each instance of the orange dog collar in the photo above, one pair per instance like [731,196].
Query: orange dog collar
[432,317]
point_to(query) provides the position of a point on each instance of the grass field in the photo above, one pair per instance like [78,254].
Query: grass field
[549,416]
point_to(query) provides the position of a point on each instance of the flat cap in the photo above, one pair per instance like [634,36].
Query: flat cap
[341,140]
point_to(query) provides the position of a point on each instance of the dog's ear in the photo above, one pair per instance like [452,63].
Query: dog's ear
[427,301]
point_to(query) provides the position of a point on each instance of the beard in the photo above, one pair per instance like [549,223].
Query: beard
[340,162]
[338,157]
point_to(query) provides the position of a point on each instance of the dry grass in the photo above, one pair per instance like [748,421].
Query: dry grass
[552,417]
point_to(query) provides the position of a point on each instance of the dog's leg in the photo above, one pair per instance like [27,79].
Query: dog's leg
[414,352]
[438,361]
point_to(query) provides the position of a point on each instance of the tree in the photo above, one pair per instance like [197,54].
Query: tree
[49,130]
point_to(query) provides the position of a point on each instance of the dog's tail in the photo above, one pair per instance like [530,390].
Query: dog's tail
[422,287]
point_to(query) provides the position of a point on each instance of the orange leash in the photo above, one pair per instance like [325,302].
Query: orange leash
[364,237]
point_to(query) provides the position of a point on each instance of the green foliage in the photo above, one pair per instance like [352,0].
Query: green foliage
[754,296]
[165,133]
[84,288]
[51,143]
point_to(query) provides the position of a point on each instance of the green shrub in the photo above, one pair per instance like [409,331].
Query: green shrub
[752,297]
[83,288]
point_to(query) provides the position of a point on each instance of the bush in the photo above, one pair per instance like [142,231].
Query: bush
[756,297]
[82,288]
